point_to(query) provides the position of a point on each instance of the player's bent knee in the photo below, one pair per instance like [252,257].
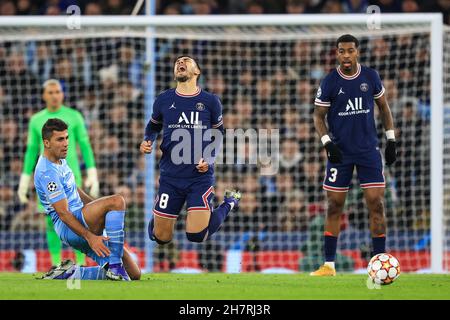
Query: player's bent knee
[119,202]
[135,275]
[161,237]
[159,241]
[198,236]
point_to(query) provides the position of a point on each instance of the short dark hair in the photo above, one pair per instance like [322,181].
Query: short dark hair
[347,38]
[51,125]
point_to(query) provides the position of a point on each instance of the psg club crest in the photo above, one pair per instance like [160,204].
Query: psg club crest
[200,106]
[364,87]
[52,186]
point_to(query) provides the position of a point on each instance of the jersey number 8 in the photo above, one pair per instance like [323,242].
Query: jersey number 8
[163,201]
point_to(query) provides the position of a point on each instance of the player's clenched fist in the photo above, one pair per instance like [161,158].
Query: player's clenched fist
[390,153]
[146,146]
[333,153]
[202,166]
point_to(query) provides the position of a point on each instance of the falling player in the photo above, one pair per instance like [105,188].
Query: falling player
[79,220]
[53,96]
[346,98]
[186,111]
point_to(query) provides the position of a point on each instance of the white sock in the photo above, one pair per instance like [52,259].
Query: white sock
[330,264]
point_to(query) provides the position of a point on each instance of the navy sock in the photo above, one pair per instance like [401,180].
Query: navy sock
[330,247]
[379,245]
[218,216]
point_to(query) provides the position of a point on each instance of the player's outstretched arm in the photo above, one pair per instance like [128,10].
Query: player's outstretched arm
[94,241]
[333,152]
[388,124]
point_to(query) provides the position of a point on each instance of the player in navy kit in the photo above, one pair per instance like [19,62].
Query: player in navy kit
[186,175]
[346,99]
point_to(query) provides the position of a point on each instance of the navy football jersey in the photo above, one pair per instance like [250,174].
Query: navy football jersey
[195,114]
[350,100]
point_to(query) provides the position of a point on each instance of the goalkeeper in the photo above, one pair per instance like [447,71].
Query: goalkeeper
[53,97]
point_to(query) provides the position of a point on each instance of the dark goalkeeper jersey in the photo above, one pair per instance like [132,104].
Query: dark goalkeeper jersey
[351,108]
[187,121]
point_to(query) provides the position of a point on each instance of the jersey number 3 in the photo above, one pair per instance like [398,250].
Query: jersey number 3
[333,172]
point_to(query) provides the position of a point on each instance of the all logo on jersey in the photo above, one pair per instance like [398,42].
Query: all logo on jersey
[200,106]
[192,119]
[354,106]
[188,120]
[364,87]
[52,186]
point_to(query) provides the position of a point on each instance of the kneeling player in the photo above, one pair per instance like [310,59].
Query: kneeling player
[186,110]
[78,219]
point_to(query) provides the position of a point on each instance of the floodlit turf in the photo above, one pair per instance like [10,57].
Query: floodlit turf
[214,286]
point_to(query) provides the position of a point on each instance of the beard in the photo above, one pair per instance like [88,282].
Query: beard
[182,78]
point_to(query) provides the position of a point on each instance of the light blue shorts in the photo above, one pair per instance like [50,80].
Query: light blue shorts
[73,240]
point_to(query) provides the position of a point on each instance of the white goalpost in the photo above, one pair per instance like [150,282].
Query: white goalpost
[265,69]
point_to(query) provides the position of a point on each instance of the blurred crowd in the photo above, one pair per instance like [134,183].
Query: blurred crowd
[171,7]
[268,85]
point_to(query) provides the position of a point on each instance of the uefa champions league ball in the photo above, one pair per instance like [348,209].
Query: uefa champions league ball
[383,268]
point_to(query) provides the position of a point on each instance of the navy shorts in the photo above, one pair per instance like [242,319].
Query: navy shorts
[369,168]
[198,194]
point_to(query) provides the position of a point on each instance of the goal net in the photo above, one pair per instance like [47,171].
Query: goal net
[266,77]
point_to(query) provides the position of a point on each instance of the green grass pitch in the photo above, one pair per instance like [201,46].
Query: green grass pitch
[219,286]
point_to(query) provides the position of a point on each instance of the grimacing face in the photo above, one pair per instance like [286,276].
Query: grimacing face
[184,69]
[53,95]
[347,55]
[58,144]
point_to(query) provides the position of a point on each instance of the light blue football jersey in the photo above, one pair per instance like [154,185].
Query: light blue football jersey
[54,182]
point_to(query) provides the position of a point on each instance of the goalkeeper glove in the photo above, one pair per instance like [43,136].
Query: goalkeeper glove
[92,182]
[23,187]
[390,152]
[333,152]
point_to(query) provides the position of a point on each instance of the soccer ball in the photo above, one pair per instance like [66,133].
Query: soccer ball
[383,268]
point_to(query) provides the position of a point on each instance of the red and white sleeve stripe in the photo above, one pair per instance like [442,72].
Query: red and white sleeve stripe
[378,95]
[321,103]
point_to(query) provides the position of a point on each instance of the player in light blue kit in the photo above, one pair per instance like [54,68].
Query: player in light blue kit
[346,99]
[79,220]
